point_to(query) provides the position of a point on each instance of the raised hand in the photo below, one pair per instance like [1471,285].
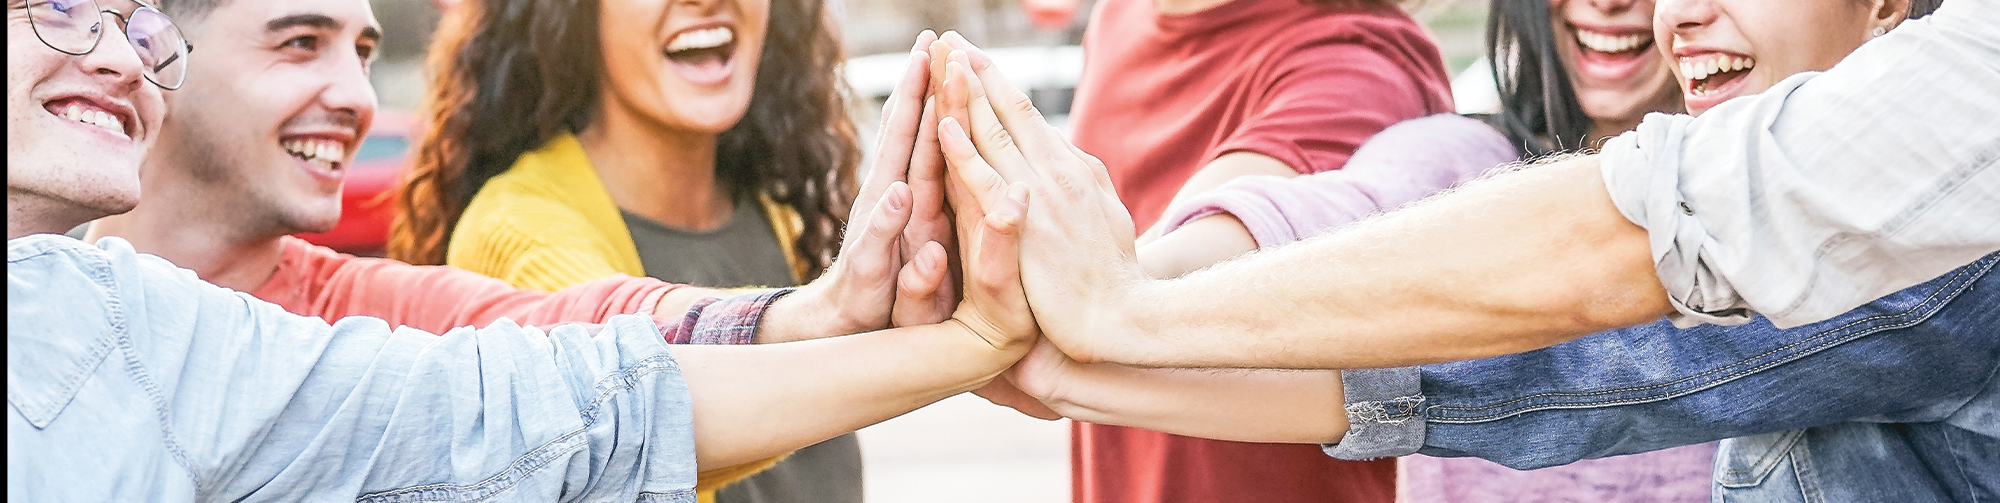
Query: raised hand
[1077,241]
[894,268]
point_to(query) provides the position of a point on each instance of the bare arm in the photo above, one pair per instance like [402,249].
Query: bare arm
[1516,262]
[1519,262]
[1288,406]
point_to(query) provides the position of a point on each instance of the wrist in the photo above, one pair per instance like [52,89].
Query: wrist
[793,317]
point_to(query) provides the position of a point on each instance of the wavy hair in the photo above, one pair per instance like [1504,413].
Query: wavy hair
[506,78]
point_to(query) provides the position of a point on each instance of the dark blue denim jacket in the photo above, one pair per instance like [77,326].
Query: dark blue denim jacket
[1897,401]
[131,380]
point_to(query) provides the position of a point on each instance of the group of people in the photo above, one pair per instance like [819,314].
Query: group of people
[1755,232]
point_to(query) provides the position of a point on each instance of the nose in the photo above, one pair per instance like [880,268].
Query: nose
[349,94]
[114,61]
[1684,15]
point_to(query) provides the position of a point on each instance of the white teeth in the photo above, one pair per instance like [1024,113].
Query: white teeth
[322,152]
[1707,65]
[702,39]
[99,118]
[1607,43]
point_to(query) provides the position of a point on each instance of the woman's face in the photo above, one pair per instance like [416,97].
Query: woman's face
[1607,47]
[1722,49]
[682,64]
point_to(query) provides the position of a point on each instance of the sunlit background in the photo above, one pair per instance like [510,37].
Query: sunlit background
[962,449]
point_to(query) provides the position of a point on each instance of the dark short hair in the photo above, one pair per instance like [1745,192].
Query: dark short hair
[188,11]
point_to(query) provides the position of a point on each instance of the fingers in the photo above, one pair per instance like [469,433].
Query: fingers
[872,254]
[999,255]
[1013,108]
[919,286]
[977,178]
[928,221]
[896,139]
[965,100]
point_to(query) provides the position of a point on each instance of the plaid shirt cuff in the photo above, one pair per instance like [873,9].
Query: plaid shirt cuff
[731,320]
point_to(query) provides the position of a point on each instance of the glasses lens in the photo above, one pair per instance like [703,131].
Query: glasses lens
[160,45]
[70,26]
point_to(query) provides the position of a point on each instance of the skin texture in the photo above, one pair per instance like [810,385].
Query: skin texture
[60,172]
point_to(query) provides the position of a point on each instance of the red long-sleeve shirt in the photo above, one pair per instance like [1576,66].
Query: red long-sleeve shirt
[316,281]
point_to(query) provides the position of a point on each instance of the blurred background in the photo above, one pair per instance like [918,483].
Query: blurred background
[961,449]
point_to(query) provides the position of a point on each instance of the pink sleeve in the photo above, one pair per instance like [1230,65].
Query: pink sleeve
[1401,164]
[316,281]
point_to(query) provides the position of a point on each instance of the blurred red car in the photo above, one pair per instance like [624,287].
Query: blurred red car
[367,198]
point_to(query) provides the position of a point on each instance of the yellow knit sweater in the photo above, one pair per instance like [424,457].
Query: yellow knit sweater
[548,223]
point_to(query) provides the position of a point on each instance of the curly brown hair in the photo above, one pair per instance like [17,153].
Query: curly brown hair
[506,79]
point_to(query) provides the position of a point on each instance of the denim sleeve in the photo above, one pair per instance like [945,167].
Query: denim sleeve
[1830,189]
[1918,355]
[223,397]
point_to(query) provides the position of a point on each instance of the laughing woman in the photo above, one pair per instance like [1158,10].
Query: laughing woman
[701,142]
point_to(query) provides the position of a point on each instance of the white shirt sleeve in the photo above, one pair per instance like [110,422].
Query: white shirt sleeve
[1831,189]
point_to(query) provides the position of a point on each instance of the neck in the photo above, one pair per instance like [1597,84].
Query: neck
[1178,7]
[230,253]
[666,175]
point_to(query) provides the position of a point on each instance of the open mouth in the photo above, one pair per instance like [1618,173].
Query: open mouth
[1709,74]
[320,152]
[83,111]
[1612,56]
[703,55]
[1609,43]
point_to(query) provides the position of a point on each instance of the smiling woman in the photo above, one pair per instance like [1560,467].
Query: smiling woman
[702,142]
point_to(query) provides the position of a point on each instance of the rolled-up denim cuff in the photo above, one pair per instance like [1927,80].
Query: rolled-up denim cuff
[1384,414]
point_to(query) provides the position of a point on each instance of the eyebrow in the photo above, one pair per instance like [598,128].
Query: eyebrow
[320,21]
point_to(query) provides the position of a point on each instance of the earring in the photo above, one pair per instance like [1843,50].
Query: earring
[1879,31]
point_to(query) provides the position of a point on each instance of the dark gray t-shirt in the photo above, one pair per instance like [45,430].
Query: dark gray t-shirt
[745,252]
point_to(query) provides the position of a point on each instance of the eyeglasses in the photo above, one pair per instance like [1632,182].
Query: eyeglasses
[73,27]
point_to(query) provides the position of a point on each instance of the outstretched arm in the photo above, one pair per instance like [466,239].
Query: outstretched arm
[1517,262]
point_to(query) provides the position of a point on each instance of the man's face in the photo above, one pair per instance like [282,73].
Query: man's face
[272,111]
[77,126]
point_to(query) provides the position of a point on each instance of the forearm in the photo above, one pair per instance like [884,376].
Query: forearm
[1198,244]
[1240,405]
[1509,264]
[754,402]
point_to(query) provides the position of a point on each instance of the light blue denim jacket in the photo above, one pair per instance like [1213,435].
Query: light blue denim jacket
[129,379]
[1897,401]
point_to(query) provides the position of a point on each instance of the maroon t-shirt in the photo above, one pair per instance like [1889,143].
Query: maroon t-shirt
[1160,97]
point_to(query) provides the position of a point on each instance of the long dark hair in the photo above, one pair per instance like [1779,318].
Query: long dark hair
[1539,111]
[510,75]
